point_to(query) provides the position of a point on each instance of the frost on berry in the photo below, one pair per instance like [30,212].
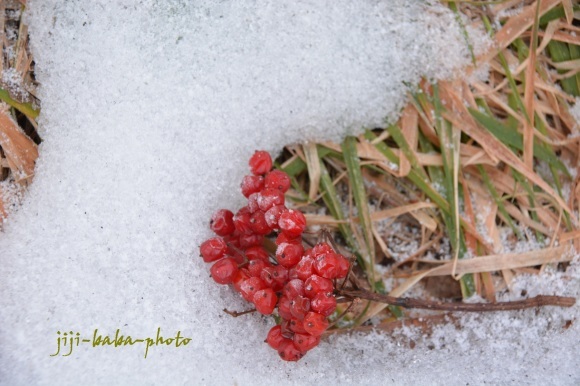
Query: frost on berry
[223,271]
[213,249]
[252,184]
[277,179]
[292,222]
[222,222]
[268,198]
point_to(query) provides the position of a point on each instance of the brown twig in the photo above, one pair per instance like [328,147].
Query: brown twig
[235,314]
[538,301]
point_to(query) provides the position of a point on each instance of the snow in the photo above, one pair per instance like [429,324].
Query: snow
[149,112]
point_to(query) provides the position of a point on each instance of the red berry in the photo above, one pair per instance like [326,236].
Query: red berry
[275,338]
[252,184]
[236,254]
[321,249]
[269,197]
[293,288]
[213,249]
[292,274]
[222,222]
[241,276]
[250,286]
[224,270]
[260,162]
[265,301]
[328,265]
[257,253]
[284,308]
[250,240]
[299,306]
[315,324]
[297,326]
[253,202]
[305,342]
[292,222]
[304,268]
[343,265]
[258,223]
[283,238]
[242,221]
[289,352]
[323,303]
[272,215]
[316,284]
[288,255]
[286,331]
[277,179]
[255,267]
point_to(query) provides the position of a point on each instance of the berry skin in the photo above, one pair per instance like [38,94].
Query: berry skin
[304,268]
[323,303]
[260,163]
[242,221]
[283,238]
[297,326]
[328,265]
[241,276]
[213,249]
[257,253]
[269,197]
[258,223]
[272,215]
[250,286]
[289,352]
[224,270]
[251,240]
[293,288]
[255,267]
[321,249]
[275,338]
[252,184]
[299,306]
[265,301]
[277,179]
[292,223]
[316,284]
[222,222]
[305,342]
[344,266]
[284,308]
[315,324]
[288,255]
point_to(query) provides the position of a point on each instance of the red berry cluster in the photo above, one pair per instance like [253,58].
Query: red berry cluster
[298,282]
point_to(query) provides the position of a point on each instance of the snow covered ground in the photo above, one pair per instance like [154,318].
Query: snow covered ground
[150,110]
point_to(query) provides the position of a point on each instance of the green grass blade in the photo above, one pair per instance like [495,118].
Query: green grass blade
[361,201]
[24,108]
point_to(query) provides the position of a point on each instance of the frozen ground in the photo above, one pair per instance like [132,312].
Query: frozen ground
[150,109]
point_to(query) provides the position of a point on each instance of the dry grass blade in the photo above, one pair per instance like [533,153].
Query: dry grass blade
[21,152]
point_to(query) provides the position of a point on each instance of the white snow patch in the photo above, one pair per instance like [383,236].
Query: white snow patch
[150,110]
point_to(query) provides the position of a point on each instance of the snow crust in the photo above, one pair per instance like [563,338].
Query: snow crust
[150,110]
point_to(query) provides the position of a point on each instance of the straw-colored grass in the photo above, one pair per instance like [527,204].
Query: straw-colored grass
[477,166]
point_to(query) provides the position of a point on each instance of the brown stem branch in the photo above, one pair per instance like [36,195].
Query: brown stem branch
[235,314]
[538,301]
